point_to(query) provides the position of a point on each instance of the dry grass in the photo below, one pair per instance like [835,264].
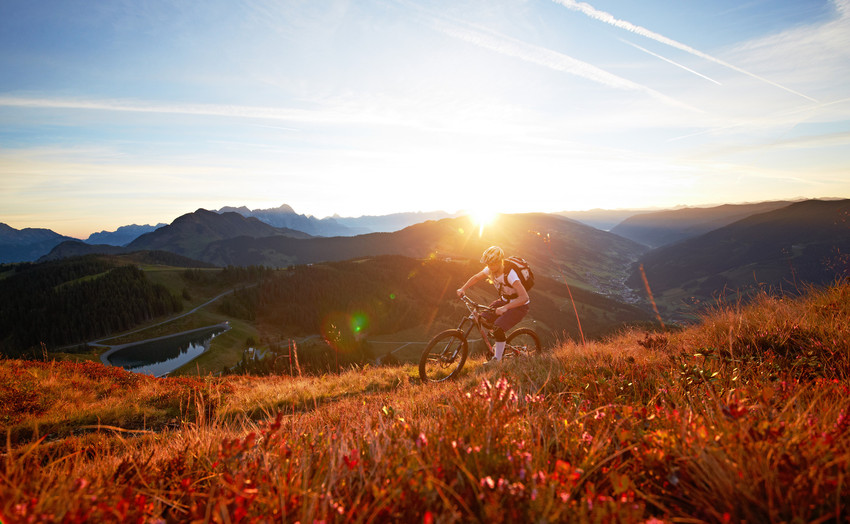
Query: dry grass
[743,417]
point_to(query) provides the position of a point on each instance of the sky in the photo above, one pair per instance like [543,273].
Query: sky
[117,112]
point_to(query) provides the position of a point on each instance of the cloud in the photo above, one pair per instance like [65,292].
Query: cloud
[816,56]
[230,111]
[608,18]
[548,58]
[829,111]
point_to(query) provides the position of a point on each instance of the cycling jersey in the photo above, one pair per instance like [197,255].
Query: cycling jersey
[504,284]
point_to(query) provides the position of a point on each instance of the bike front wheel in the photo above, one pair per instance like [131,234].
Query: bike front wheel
[444,356]
[523,341]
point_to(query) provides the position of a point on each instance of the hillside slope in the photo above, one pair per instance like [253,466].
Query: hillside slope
[189,234]
[28,244]
[661,228]
[804,242]
[604,219]
[555,246]
[391,294]
[72,301]
[741,418]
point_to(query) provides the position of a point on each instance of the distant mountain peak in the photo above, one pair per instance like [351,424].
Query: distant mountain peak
[286,208]
[123,235]
[246,211]
[242,210]
[27,244]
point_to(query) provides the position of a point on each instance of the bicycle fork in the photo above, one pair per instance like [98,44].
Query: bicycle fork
[476,323]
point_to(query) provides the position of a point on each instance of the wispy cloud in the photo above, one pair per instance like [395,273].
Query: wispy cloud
[231,111]
[542,56]
[825,111]
[608,18]
[820,141]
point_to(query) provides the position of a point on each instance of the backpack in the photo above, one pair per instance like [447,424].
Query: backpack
[523,271]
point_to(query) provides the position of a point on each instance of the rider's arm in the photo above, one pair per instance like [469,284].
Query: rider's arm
[477,277]
[521,298]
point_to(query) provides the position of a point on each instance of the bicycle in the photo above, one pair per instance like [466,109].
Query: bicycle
[446,353]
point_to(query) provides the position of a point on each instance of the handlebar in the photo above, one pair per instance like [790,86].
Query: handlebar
[473,305]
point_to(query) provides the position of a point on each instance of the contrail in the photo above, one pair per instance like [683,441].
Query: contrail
[547,58]
[488,39]
[608,18]
[230,111]
[647,51]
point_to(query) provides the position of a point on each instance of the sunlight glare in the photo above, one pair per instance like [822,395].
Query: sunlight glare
[482,217]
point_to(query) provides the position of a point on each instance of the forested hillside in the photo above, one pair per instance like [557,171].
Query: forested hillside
[352,301]
[340,308]
[556,246]
[72,301]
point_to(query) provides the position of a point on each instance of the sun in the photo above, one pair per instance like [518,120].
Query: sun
[482,217]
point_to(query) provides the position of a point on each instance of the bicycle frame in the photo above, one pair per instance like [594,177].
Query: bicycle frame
[474,318]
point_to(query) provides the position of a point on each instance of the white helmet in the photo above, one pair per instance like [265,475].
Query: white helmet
[492,255]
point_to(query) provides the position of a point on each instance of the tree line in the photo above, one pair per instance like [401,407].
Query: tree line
[347,301]
[72,301]
[376,296]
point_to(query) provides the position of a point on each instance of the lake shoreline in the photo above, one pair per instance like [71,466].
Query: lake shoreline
[104,357]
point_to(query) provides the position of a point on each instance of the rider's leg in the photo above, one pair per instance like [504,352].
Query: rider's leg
[490,316]
[504,323]
[499,346]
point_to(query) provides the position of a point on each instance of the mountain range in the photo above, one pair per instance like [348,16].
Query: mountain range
[285,216]
[24,245]
[31,244]
[557,246]
[121,236]
[188,236]
[786,248]
[659,228]
[699,251]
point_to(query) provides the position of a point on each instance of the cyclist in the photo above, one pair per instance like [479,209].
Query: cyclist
[512,304]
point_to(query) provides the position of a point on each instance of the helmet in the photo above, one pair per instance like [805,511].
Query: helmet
[492,255]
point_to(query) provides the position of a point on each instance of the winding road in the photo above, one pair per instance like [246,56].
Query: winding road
[99,342]
[112,348]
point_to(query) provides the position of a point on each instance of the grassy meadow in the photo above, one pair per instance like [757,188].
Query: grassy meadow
[744,416]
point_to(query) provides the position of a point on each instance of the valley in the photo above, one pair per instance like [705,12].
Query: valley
[396,287]
[402,301]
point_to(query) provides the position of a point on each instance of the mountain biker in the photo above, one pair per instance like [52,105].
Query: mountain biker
[512,304]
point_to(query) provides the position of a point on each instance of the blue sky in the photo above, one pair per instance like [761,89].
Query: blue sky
[119,112]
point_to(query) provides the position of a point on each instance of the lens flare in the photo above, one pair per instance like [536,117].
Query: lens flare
[483,218]
[344,331]
[359,322]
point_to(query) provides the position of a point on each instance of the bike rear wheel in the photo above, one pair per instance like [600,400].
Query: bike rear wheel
[523,341]
[444,356]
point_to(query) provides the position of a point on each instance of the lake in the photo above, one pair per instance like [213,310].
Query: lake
[163,355]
